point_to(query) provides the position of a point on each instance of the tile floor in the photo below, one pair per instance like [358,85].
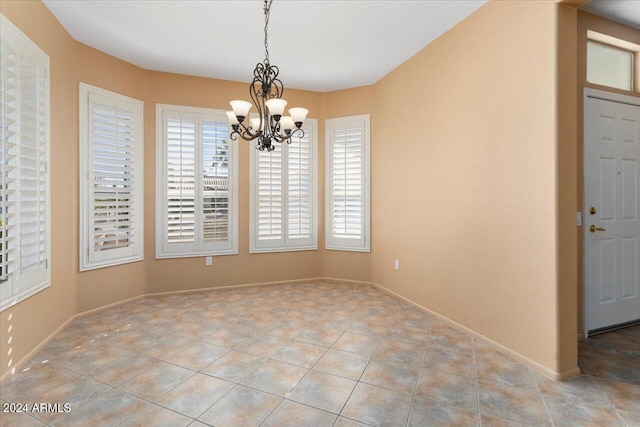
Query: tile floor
[316,354]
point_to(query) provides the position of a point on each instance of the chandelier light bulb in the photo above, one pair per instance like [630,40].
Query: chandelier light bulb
[286,123]
[255,124]
[298,115]
[231,116]
[240,109]
[276,107]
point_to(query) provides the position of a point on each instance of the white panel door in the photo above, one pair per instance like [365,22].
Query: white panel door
[611,224]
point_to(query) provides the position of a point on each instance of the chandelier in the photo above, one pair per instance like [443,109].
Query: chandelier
[266,91]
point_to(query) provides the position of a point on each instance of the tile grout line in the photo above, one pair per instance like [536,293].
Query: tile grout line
[475,376]
[544,403]
[415,386]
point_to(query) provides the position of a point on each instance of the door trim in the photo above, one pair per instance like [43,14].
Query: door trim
[603,96]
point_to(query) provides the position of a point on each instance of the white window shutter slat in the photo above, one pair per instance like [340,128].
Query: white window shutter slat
[270,195]
[283,194]
[348,183]
[24,175]
[111,178]
[197,172]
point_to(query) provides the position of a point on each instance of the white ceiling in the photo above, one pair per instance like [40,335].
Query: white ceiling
[623,11]
[319,45]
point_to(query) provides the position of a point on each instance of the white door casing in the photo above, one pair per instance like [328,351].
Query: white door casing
[612,228]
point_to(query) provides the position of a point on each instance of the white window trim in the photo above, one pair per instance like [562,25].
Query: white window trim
[286,246]
[85,180]
[329,241]
[160,178]
[9,30]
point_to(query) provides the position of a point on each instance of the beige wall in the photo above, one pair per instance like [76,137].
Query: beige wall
[466,181]
[588,22]
[471,203]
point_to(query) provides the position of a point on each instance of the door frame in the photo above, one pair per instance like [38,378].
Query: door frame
[603,96]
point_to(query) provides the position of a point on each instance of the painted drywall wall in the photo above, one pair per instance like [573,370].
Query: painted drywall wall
[465,182]
[587,22]
[340,264]
[25,325]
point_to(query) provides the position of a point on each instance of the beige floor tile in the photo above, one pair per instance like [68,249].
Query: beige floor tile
[391,374]
[76,393]
[520,405]
[319,336]
[123,369]
[300,354]
[195,395]
[568,413]
[358,343]
[156,416]
[109,409]
[19,419]
[342,363]
[427,413]
[452,362]
[292,414]
[448,388]
[401,351]
[198,355]
[378,406]
[234,366]
[195,330]
[275,377]
[35,381]
[346,422]
[242,406]
[156,381]
[322,391]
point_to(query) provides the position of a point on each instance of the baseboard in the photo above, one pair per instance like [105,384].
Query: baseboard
[244,285]
[108,306]
[20,364]
[559,376]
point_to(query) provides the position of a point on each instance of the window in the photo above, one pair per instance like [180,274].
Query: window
[284,193]
[197,200]
[111,178]
[347,183]
[609,66]
[25,234]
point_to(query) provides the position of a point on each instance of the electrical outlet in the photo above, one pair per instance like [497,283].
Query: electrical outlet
[397,264]
[208,261]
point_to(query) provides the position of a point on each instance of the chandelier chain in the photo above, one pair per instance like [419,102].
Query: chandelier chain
[267,8]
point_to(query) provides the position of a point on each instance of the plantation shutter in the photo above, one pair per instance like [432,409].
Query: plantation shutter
[300,188]
[198,190]
[180,177]
[347,183]
[111,184]
[270,198]
[24,176]
[215,195]
[114,179]
[283,184]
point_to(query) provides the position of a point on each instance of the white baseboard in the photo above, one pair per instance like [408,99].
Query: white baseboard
[559,376]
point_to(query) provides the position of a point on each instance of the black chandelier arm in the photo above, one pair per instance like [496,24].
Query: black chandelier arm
[241,130]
